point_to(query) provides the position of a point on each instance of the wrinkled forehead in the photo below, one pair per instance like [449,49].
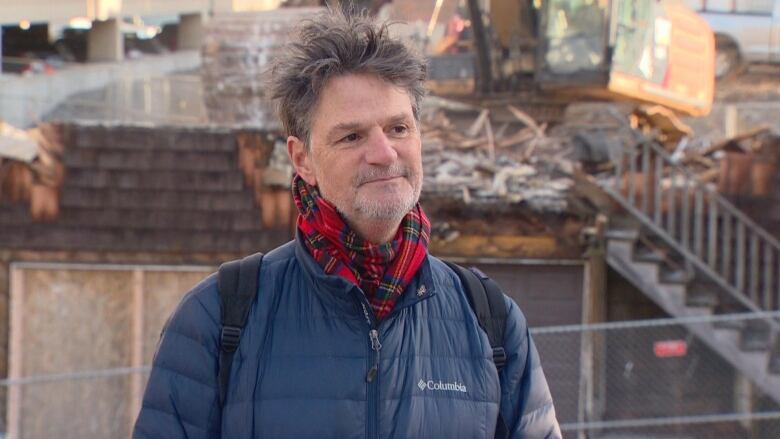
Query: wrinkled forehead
[358,99]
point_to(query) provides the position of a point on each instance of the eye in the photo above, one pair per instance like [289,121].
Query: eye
[400,129]
[350,138]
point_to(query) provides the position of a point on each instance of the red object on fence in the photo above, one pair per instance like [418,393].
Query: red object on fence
[670,348]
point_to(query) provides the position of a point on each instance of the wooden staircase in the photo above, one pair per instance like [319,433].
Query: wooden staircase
[744,343]
[700,259]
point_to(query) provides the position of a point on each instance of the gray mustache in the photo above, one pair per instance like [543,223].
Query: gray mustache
[376,173]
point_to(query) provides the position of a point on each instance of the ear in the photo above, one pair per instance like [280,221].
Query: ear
[301,159]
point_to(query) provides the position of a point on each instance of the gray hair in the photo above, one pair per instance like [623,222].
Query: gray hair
[334,44]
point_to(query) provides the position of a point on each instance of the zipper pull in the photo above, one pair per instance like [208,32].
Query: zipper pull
[371,374]
[373,335]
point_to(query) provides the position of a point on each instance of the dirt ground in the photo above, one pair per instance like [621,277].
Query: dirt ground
[757,82]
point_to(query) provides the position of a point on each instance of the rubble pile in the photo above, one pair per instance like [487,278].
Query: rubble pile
[740,165]
[488,155]
[603,134]
[483,158]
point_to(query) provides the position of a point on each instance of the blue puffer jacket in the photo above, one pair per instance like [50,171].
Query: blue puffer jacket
[301,369]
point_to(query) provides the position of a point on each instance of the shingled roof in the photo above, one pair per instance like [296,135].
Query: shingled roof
[147,189]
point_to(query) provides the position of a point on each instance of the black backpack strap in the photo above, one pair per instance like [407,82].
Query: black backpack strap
[487,301]
[237,285]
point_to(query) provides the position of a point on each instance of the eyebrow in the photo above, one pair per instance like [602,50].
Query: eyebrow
[357,126]
[346,126]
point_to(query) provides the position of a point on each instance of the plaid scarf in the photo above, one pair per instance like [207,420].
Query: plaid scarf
[382,271]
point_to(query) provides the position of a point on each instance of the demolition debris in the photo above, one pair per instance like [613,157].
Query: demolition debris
[31,168]
[484,156]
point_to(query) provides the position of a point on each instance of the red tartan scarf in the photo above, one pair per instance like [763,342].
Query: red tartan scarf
[382,271]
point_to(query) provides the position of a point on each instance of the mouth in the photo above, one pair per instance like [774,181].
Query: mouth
[382,179]
[389,175]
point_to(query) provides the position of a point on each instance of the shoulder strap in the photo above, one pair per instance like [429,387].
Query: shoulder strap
[487,302]
[237,285]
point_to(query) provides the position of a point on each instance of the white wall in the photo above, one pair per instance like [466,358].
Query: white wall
[25,99]
[12,12]
[41,10]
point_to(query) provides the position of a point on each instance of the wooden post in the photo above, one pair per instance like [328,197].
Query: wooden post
[15,354]
[731,121]
[592,344]
[137,351]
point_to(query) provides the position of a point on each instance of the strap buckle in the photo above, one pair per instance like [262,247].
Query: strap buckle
[499,357]
[229,338]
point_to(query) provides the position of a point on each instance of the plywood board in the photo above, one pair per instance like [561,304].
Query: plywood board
[84,319]
[75,320]
[163,290]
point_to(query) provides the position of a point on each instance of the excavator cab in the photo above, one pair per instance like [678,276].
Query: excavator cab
[646,50]
[574,39]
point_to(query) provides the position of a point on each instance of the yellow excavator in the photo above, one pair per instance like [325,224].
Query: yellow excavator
[648,51]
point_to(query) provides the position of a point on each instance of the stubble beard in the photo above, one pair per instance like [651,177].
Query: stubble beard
[398,204]
[361,207]
[389,210]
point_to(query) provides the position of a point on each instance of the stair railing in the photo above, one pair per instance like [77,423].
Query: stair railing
[699,223]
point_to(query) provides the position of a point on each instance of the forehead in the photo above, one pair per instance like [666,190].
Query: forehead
[358,99]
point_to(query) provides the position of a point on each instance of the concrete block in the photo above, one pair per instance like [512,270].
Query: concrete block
[105,42]
[190,33]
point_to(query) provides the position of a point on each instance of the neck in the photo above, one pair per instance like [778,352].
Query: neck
[376,231]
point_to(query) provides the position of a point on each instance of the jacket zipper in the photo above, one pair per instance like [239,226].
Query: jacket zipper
[375,346]
[372,395]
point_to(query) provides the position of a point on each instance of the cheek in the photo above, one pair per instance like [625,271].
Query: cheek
[335,175]
[413,157]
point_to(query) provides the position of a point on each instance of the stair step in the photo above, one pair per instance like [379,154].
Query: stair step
[731,325]
[623,250]
[676,290]
[754,345]
[700,296]
[619,247]
[622,234]
[755,336]
[774,357]
[727,335]
[644,254]
[697,311]
[675,276]
[756,359]
[672,296]
[648,270]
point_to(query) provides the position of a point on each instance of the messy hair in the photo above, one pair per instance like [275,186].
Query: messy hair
[332,44]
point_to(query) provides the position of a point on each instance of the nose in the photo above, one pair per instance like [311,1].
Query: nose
[381,149]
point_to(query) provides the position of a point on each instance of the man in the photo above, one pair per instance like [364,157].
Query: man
[356,331]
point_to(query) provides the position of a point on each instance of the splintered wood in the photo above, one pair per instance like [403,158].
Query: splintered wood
[31,168]
[740,165]
[267,170]
[488,155]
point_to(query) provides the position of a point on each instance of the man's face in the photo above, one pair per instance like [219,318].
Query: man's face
[365,151]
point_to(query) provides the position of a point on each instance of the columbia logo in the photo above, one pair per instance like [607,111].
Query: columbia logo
[441,386]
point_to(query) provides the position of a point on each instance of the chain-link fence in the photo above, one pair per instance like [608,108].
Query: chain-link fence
[656,379]
[639,379]
[89,404]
